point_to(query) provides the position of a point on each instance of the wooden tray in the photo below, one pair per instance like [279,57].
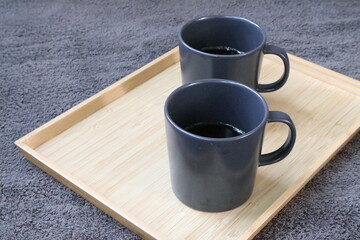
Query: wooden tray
[111,149]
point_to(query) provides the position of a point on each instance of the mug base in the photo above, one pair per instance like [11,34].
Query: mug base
[211,208]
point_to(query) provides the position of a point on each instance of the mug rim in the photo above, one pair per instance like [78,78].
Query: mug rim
[221,17]
[218,81]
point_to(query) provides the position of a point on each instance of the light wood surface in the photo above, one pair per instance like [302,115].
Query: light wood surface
[111,149]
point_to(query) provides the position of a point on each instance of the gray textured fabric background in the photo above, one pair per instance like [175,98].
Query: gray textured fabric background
[55,54]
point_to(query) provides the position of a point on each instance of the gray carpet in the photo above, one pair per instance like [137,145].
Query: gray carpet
[55,54]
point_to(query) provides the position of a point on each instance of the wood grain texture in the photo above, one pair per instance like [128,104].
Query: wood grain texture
[99,100]
[113,153]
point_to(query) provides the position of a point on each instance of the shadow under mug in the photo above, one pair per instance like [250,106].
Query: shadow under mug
[227,31]
[218,174]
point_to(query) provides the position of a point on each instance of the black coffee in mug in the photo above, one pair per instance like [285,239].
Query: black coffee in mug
[221,50]
[214,130]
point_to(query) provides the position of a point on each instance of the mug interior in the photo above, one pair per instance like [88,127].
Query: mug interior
[225,31]
[213,101]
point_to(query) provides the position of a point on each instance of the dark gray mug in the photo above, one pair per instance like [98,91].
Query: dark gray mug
[214,133]
[200,35]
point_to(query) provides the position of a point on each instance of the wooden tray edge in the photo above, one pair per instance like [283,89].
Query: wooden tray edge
[82,110]
[119,214]
[275,208]
[333,78]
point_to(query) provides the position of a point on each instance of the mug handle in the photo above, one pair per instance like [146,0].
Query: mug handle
[270,49]
[285,149]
